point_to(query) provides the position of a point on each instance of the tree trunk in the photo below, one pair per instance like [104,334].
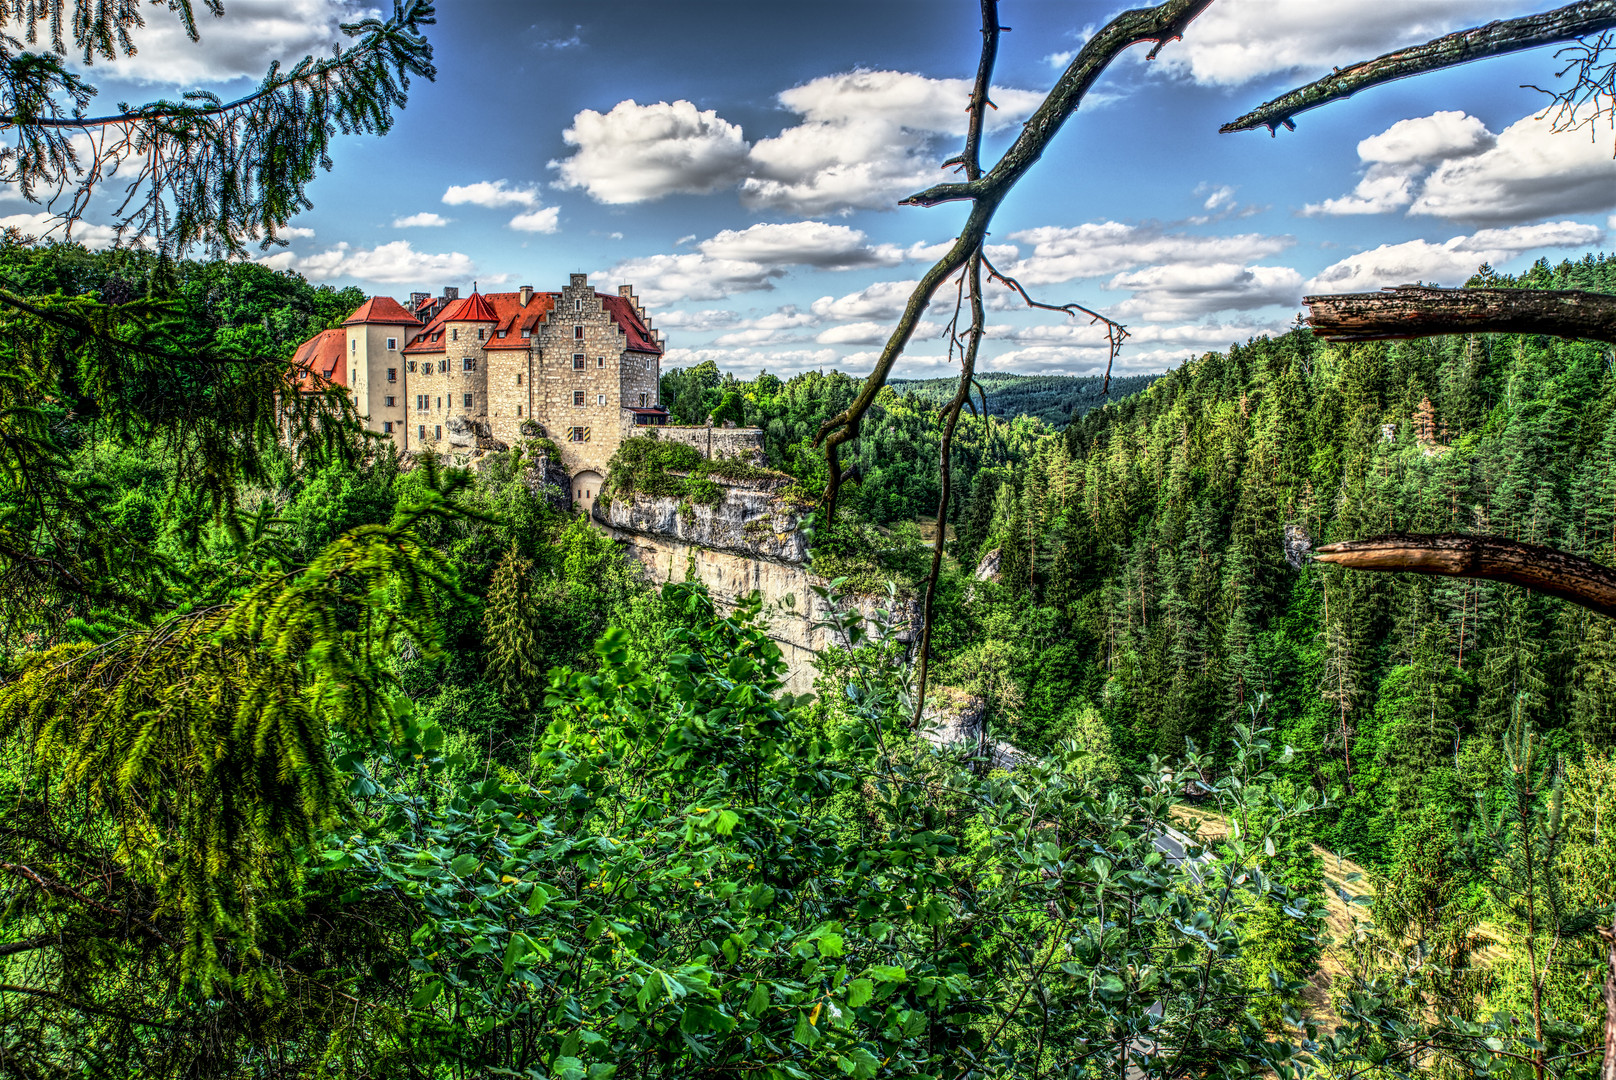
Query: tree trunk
[1609,934]
[1411,311]
[1450,555]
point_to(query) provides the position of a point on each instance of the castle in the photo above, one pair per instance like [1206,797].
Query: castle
[453,374]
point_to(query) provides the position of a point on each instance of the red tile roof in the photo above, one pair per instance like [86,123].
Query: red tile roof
[323,355]
[382,309]
[472,308]
[505,310]
[640,338]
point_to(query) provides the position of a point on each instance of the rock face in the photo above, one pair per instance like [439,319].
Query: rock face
[988,568]
[750,521]
[1298,545]
[750,542]
[955,718]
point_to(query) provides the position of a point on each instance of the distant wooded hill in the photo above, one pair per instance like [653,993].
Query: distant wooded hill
[1055,399]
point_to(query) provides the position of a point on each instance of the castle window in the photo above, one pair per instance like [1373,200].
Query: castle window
[577,434]
[353,346]
[578,304]
[466,399]
[600,399]
[440,403]
[518,378]
[481,333]
[519,412]
[392,374]
[577,397]
[437,431]
[642,401]
[468,363]
[454,335]
[389,402]
[392,344]
[410,367]
[577,361]
[387,427]
[527,333]
[502,333]
[420,432]
[578,333]
[443,365]
[420,403]
[600,361]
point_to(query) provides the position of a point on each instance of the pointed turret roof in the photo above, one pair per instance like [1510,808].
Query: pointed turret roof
[470,309]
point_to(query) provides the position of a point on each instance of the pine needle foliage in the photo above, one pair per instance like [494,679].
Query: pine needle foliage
[213,739]
[202,171]
[138,372]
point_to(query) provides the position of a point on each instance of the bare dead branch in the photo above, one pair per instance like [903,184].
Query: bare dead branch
[1412,311]
[1496,38]
[1115,332]
[1591,93]
[1545,569]
[1160,24]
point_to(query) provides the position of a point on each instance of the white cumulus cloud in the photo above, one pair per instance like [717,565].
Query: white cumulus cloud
[638,153]
[424,220]
[43,225]
[492,194]
[1236,41]
[883,300]
[392,263]
[241,44]
[1178,291]
[546,219]
[1451,262]
[1400,155]
[1530,172]
[667,279]
[1070,253]
[801,243]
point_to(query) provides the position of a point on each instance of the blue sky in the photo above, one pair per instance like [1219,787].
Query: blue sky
[739,163]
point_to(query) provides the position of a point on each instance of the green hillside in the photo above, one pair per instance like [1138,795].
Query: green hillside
[1057,400]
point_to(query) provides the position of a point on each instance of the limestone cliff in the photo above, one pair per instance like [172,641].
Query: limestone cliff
[750,540]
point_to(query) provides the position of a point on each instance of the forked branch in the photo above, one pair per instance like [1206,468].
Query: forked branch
[1496,38]
[1546,569]
[1160,24]
[1115,332]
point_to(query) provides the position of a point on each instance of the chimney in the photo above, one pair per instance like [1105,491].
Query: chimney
[527,294]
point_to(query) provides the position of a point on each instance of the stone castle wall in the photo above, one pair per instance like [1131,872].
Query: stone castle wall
[716,441]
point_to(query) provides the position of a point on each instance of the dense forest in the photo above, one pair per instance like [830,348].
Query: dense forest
[1057,400]
[318,761]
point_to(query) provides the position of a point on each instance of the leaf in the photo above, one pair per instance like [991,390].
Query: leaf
[515,949]
[727,822]
[887,974]
[758,1000]
[830,945]
[463,865]
[1268,845]
[426,993]
[859,991]
[539,897]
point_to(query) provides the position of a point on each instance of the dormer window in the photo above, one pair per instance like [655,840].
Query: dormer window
[502,333]
[527,333]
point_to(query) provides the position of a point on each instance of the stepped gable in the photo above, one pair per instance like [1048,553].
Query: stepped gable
[322,355]
[384,310]
[640,338]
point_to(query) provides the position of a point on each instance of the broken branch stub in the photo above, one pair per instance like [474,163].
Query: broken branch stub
[1412,311]
[1545,569]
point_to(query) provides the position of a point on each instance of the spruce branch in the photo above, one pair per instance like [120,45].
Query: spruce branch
[204,172]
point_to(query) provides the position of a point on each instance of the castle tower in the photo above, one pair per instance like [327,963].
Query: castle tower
[376,335]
